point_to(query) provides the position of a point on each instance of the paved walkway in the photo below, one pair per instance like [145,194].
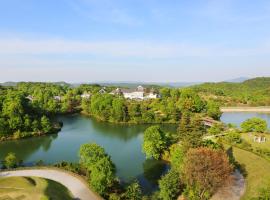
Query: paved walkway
[76,186]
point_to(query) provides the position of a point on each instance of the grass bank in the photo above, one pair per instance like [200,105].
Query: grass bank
[257,171]
[28,188]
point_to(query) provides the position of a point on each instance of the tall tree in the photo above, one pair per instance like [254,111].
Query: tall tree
[155,141]
[206,170]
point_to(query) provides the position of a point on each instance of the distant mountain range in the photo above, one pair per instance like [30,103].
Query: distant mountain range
[237,80]
[133,84]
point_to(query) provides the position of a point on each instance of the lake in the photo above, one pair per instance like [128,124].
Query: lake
[121,142]
[238,117]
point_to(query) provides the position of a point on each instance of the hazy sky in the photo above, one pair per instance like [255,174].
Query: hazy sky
[133,40]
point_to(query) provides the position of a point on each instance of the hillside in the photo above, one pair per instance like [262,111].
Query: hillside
[252,92]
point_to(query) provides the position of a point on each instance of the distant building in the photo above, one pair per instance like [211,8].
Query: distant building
[259,139]
[57,98]
[30,98]
[85,95]
[139,93]
[102,90]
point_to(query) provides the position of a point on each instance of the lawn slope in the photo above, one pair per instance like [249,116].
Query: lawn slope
[29,188]
[258,171]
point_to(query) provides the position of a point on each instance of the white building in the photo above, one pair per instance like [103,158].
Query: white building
[30,98]
[102,90]
[57,98]
[85,96]
[138,93]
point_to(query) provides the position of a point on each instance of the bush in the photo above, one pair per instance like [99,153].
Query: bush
[170,185]
[10,161]
[254,125]
[133,192]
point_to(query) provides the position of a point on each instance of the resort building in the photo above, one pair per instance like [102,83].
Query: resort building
[138,93]
[85,95]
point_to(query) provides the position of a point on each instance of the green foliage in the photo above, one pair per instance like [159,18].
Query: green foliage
[190,101]
[170,185]
[253,92]
[254,125]
[45,124]
[194,193]
[101,170]
[216,129]
[213,110]
[10,161]
[102,175]
[133,191]
[90,154]
[155,141]
[177,157]
[24,110]
[191,131]
[233,137]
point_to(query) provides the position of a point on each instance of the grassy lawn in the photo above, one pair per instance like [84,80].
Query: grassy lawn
[29,188]
[258,171]
[249,138]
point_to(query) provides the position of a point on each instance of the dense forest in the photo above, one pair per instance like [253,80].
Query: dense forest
[167,109]
[29,109]
[253,92]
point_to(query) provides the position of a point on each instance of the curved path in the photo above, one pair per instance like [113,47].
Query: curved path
[77,187]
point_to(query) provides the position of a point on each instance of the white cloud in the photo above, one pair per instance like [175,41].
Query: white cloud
[124,49]
[139,49]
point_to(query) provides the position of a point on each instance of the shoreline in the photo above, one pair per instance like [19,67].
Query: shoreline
[262,109]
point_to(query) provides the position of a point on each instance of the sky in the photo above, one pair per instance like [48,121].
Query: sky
[134,40]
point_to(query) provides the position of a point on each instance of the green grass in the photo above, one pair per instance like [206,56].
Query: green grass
[29,188]
[249,138]
[258,171]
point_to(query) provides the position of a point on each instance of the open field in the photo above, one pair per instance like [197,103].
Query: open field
[257,170]
[264,109]
[28,188]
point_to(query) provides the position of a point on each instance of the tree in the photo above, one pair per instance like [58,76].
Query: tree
[213,110]
[155,142]
[10,160]
[101,170]
[190,101]
[102,175]
[233,137]
[206,170]
[254,125]
[45,124]
[170,185]
[133,191]
[119,110]
[90,154]
[177,156]
[216,129]
[4,128]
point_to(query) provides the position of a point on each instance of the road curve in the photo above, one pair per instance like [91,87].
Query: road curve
[75,185]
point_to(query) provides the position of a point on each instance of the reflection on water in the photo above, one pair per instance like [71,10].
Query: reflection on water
[121,142]
[26,147]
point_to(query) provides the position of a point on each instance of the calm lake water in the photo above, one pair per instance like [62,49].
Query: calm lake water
[122,143]
[238,117]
